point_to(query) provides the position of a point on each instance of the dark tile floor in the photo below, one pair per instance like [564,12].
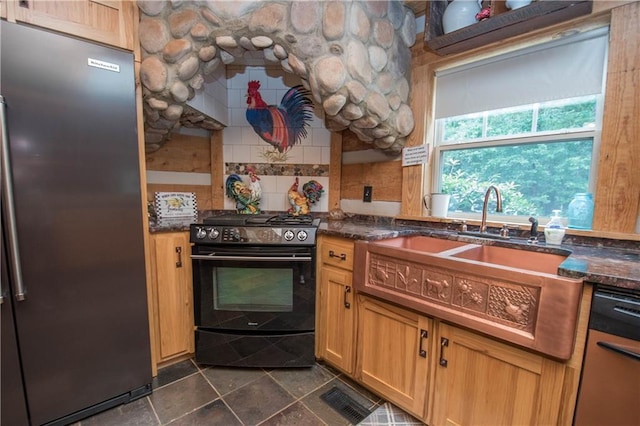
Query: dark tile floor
[189,394]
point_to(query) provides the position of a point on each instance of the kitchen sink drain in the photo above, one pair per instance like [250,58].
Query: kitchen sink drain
[344,404]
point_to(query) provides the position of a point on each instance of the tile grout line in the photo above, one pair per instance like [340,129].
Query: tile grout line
[155,413]
[176,381]
[221,397]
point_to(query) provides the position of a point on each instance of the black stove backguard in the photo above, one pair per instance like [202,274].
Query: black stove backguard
[254,292]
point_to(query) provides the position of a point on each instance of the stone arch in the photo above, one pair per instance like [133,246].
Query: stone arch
[353,56]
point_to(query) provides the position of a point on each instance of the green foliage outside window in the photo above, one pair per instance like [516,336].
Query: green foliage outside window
[534,178]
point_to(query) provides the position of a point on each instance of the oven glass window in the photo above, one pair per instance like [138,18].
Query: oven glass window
[253,289]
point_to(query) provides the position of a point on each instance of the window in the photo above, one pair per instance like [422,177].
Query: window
[536,138]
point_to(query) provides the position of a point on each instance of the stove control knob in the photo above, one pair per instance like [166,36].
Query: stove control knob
[213,233]
[288,235]
[200,233]
[302,235]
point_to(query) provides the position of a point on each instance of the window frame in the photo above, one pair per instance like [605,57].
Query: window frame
[485,142]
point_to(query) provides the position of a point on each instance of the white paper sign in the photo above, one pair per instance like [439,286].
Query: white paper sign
[414,155]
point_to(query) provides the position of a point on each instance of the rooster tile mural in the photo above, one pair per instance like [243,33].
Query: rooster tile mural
[277,132]
[281,126]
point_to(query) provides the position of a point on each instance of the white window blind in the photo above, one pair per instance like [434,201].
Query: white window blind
[561,69]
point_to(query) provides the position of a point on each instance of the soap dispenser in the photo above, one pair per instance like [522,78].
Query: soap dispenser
[554,231]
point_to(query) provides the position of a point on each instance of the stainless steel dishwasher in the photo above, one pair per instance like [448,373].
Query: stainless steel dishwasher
[610,387]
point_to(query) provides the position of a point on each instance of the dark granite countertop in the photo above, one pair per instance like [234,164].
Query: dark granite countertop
[596,264]
[599,263]
[177,224]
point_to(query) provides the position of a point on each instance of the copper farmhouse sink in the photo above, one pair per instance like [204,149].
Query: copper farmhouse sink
[521,259]
[422,244]
[513,294]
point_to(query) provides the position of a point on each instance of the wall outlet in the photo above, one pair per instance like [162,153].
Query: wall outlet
[367,194]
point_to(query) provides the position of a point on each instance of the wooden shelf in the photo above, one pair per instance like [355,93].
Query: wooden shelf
[503,24]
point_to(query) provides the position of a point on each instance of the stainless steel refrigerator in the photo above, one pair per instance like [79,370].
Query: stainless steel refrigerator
[75,334]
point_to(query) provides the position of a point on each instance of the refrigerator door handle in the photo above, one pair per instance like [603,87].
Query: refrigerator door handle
[9,208]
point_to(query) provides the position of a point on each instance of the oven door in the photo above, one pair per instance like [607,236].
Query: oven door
[254,289]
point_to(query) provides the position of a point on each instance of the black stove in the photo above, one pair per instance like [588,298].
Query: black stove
[261,229]
[254,290]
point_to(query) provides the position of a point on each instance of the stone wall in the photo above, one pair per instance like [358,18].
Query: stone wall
[353,56]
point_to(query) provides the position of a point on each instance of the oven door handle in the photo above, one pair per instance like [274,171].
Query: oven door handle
[619,350]
[253,258]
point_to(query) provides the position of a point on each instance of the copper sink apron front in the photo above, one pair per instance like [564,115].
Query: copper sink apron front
[521,301]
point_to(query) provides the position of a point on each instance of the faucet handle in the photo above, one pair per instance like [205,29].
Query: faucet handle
[504,232]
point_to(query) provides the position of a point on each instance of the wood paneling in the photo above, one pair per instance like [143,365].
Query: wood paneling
[617,194]
[217,171]
[421,105]
[183,153]
[145,217]
[418,7]
[190,154]
[109,22]
[335,170]
[350,142]
[385,179]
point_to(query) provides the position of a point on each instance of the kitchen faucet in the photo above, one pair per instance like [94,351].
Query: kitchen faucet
[533,236]
[483,224]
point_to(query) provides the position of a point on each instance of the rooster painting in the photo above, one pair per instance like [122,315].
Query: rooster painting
[300,204]
[247,197]
[280,126]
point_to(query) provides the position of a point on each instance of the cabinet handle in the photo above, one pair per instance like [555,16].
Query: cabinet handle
[342,256]
[443,342]
[423,335]
[179,262]
[347,290]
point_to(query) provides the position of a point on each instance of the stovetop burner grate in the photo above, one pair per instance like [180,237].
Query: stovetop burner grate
[258,220]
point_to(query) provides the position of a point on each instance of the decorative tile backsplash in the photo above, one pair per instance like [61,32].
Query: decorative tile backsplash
[243,148]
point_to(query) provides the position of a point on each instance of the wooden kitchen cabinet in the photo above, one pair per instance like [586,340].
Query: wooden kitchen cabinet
[393,354]
[479,380]
[172,295]
[336,311]
[105,21]
[441,373]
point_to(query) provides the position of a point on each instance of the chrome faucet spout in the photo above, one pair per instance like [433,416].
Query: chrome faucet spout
[483,224]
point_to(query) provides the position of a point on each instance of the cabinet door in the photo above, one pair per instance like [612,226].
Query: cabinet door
[392,353]
[173,295]
[336,252]
[481,381]
[104,21]
[337,318]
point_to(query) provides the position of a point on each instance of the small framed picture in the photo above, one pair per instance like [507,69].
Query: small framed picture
[176,204]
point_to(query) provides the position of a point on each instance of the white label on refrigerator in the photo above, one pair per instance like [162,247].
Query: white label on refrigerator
[104,65]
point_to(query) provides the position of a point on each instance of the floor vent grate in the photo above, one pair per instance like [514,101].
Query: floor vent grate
[344,404]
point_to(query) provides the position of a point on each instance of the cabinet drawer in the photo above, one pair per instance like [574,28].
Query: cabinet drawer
[337,253]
